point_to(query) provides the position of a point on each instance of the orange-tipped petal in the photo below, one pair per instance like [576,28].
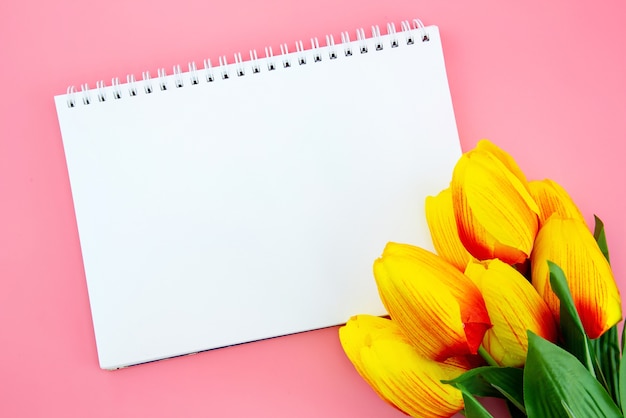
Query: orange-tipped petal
[397,372]
[570,244]
[514,307]
[552,198]
[495,213]
[440,310]
[443,230]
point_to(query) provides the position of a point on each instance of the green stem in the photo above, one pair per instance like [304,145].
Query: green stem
[487,357]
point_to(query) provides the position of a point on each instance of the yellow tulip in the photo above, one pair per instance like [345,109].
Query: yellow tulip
[514,307]
[440,310]
[388,362]
[570,244]
[552,198]
[496,215]
[443,230]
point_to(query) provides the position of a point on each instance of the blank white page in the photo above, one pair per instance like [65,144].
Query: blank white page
[252,206]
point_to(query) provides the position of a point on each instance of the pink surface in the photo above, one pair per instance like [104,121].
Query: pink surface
[545,80]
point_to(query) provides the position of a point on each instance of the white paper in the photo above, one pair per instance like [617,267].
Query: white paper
[254,206]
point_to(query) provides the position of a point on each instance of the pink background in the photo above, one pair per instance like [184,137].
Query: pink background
[545,80]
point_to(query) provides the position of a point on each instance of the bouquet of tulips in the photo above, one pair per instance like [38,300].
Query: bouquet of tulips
[519,303]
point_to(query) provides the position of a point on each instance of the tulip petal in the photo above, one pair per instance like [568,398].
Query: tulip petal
[552,198]
[397,372]
[495,213]
[504,157]
[440,310]
[569,244]
[443,230]
[514,307]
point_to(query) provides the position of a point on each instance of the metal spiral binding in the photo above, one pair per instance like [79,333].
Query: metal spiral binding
[209,71]
[132,88]
[391,31]
[376,36]
[254,60]
[269,54]
[345,39]
[71,96]
[147,84]
[240,71]
[315,46]
[300,53]
[84,89]
[330,43]
[117,91]
[193,74]
[410,33]
[284,51]
[101,92]
[224,67]
[178,79]
[360,36]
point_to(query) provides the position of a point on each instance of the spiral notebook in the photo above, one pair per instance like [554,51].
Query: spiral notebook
[246,200]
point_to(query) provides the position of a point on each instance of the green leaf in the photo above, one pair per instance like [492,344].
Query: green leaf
[622,385]
[568,410]
[575,339]
[607,356]
[473,408]
[556,384]
[487,357]
[514,411]
[495,382]
[601,356]
[623,337]
[608,350]
[600,236]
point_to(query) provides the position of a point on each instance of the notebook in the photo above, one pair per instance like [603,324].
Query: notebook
[245,199]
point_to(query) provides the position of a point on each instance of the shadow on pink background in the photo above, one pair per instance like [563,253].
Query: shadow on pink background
[544,80]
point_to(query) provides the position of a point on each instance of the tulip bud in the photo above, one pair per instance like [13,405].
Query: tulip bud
[439,309]
[443,230]
[569,244]
[552,198]
[514,307]
[397,372]
[495,213]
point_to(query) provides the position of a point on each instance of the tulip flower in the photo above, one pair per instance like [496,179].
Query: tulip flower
[496,215]
[552,198]
[440,310]
[514,307]
[400,375]
[443,230]
[570,244]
